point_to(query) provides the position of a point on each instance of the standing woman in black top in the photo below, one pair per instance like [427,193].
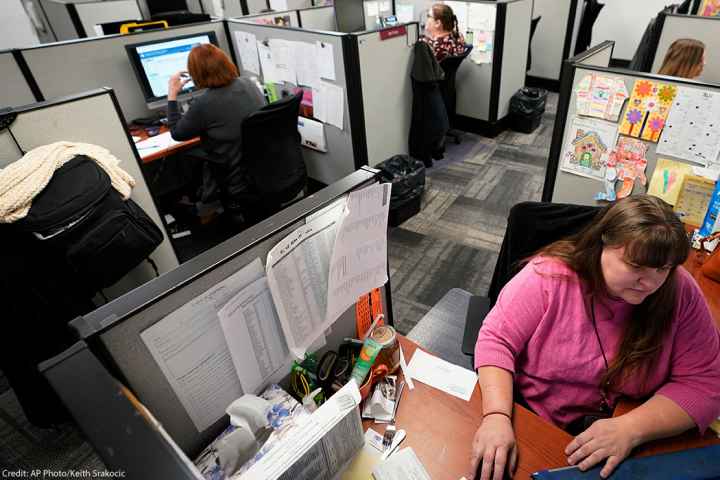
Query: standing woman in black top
[216,116]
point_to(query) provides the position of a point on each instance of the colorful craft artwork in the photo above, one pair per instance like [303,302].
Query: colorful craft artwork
[601,97]
[587,147]
[667,179]
[625,164]
[648,110]
[710,8]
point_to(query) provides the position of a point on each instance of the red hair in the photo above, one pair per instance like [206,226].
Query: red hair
[210,67]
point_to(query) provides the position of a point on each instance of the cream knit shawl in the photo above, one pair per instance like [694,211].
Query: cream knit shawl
[22,180]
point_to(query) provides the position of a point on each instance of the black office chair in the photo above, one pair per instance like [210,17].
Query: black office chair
[530,226]
[450,66]
[273,156]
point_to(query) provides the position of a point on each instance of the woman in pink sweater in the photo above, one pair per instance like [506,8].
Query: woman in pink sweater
[604,314]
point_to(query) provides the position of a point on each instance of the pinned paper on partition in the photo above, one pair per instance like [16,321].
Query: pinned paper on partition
[325,60]
[710,8]
[648,109]
[667,179]
[626,164]
[405,13]
[692,126]
[312,134]
[372,9]
[329,104]
[601,97]
[246,45]
[282,56]
[306,66]
[269,72]
[587,147]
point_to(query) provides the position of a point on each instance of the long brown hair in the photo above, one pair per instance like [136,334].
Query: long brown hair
[447,18]
[684,58]
[210,67]
[653,236]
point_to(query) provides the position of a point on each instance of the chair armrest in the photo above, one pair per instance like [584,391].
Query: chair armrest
[477,310]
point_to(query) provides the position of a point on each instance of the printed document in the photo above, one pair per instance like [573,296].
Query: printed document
[297,271]
[404,465]
[282,56]
[325,60]
[359,259]
[325,443]
[254,335]
[330,104]
[269,72]
[190,349]
[155,144]
[445,376]
[246,45]
[306,67]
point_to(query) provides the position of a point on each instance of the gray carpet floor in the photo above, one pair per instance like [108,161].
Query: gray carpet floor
[452,243]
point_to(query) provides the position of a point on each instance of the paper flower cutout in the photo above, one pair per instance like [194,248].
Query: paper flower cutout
[656,124]
[643,88]
[667,93]
[634,116]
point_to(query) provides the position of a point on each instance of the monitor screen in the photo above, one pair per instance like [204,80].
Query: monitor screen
[155,62]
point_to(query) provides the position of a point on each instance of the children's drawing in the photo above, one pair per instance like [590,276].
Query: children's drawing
[710,8]
[667,179]
[587,147]
[648,110]
[691,132]
[601,97]
[625,164]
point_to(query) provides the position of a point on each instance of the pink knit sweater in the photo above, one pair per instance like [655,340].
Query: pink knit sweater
[541,331]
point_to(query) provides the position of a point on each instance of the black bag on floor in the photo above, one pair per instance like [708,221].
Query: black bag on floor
[82,219]
[526,109]
[407,176]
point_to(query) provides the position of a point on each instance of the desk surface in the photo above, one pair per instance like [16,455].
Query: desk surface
[140,132]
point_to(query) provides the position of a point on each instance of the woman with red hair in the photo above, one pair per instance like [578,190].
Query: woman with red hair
[216,116]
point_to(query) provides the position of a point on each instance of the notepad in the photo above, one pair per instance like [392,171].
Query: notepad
[155,144]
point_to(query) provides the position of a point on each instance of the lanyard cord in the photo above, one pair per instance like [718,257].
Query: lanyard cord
[605,405]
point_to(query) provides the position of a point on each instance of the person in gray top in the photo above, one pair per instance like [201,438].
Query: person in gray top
[216,117]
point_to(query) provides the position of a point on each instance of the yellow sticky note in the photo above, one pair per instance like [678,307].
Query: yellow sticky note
[667,179]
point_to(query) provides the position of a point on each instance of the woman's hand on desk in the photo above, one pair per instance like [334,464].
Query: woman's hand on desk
[610,438]
[176,84]
[494,448]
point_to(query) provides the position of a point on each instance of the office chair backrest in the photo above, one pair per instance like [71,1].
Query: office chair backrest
[271,148]
[450,66]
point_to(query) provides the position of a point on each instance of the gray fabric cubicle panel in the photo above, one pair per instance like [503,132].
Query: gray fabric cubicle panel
[515,50]
[59,19]
[338,161]
[385,67]
[233,8]
[549,39]
[256,6]
[9,152]
[92,118]
[15,90]
[318,18]
[599,55]
[107,11]
[298,4]
[63,69]
[257,18]
[705,29]
[570,188]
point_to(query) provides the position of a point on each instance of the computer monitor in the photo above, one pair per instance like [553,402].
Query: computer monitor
[156,61]
[350,15]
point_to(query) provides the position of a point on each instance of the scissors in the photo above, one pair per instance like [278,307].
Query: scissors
[333,369]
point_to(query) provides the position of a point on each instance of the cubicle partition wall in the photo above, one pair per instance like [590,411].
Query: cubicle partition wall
[71,19]
[285,18]
[66,68]
[563,186]
[92,117]
[113,332]
[553,41]
[318,18]
[705,29]
[19,87]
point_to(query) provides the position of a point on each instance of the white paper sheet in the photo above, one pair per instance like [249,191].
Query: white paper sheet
[282,56]
[269,72]
[372,9]
[359,259]
[312,134]
[325,60]
[405,13]
[190,349]
[246,46]
[445,376]
[297,270]
[306,64]
[404,465]
[155,144]
[279,5]
[481,16]
[692,125]
[330,104]
[254,335]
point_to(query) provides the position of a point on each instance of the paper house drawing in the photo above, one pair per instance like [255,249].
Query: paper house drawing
[589,150]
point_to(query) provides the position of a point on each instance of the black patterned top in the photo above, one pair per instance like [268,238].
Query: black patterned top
[446,46]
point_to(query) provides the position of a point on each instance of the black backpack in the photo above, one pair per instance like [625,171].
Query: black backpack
[81,219]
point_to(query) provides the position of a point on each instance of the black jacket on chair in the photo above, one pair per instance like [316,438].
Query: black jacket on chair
[429,122]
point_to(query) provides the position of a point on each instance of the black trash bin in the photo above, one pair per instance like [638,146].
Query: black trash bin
[526,109]
[407,176]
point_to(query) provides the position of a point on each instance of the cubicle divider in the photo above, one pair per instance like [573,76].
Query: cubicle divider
[318,18]
[705,29]
[554,40]
[644,123]
[91,117]
[284,18]
[113,334]
[72,19]
[65,68]
[19,87]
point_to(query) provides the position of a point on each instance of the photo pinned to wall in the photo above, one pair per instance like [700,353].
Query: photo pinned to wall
[667,179]
[280,21]
[710,8]
[626,164]
[587,147]
[691,129]
[648,109]
[601,97]
[694,198]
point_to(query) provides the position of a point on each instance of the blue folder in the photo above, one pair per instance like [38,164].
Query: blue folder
[693,464]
